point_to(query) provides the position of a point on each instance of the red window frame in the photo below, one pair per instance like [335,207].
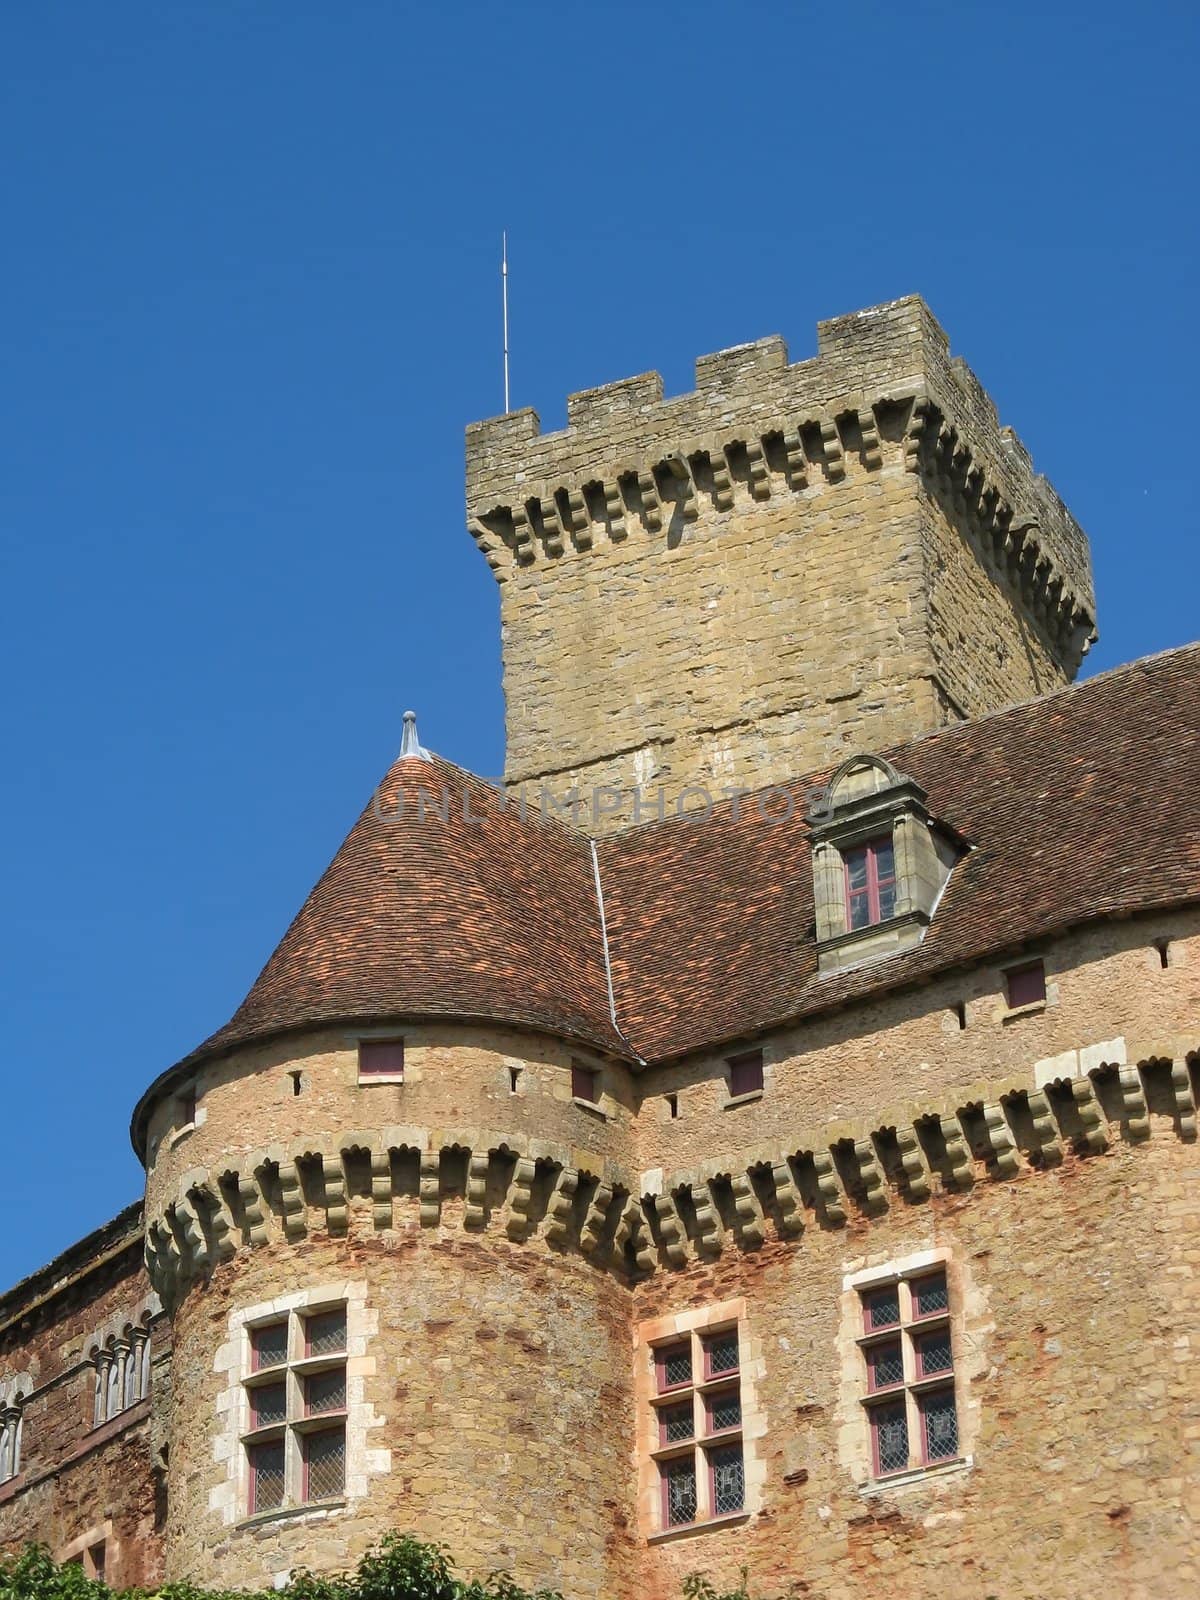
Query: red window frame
[254,1452]
[868,1304]
[381,1058]
[323,1316]
[585,1083]
[915,1285]
[256,1394]
[745,1073]
[919,1349]
[256,1362]
[668,1411]
[707,1343]
[661,1353]
[308,1440]
[714,1399]
[710,1463]
[923,1402]
[1025,985]
[873,1352]
[678,1467]
[878,1415]
[869,852]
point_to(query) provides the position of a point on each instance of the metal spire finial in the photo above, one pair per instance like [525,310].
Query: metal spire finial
[410,745]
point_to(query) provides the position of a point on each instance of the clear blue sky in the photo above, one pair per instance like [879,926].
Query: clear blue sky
[249,294]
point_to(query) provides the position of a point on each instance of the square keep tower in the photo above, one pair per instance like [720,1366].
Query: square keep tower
[791,563]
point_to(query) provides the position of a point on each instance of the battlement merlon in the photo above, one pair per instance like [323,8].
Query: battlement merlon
[895,354]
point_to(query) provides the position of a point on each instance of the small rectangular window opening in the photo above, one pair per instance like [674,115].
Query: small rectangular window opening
[672,1106]
[381,1058]
[960,1012]
[1026,984]
[296,1083]
[585,1083]
[514,1079]
[745,1073]
[1162,946]
[187,1108]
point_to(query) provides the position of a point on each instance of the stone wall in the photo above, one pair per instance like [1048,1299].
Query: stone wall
[499,1380]
[740,584]
[79,1482]
[1080,1340]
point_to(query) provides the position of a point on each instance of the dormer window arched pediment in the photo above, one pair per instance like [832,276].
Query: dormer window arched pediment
[880,863]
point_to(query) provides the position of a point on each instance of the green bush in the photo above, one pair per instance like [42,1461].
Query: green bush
[400,1568]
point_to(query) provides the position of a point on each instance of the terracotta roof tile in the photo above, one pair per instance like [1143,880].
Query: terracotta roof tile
[1081,804]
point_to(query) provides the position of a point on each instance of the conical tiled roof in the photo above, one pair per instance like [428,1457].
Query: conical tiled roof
[444,900]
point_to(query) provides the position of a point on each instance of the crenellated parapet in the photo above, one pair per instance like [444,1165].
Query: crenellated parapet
[633,1224]
[883,386]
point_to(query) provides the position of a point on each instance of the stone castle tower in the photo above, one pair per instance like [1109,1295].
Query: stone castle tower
[806,1187]
[787,565]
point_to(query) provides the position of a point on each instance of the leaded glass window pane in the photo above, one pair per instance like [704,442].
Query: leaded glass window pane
[930,1295]
[266,1476]
[325,1392]
[935,1353]
[676,1423]
[679,1480]
[675,1366]
[269,1345]
[722,1353]
[890,1425]
[887,901]
[885,861]
[885,1365]
[882,1309]
[724,1411]
[860,910]
[728,1480]
[325,1464]
[268,1404]
[941,1426]
[326,1333]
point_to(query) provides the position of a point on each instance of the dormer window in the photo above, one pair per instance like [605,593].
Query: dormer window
[870,882]
[880,863]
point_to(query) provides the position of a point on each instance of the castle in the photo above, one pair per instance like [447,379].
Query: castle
[763,1132]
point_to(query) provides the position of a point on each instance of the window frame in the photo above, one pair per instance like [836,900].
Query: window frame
[737,1067]
[369,1042]
[698,1453]
[299,1423]
[582,1072]
[869,850]
[915,1390]
[1034,967]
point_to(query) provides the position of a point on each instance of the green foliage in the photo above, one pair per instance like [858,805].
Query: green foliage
[399,1568]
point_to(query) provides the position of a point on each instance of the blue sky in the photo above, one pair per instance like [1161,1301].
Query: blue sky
[249,291]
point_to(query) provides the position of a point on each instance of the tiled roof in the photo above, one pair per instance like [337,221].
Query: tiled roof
[1081,804]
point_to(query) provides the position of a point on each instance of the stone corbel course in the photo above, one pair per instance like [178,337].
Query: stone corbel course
[991,1131]
[756,426]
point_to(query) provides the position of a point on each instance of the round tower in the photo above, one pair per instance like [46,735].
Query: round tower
[388,1207]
